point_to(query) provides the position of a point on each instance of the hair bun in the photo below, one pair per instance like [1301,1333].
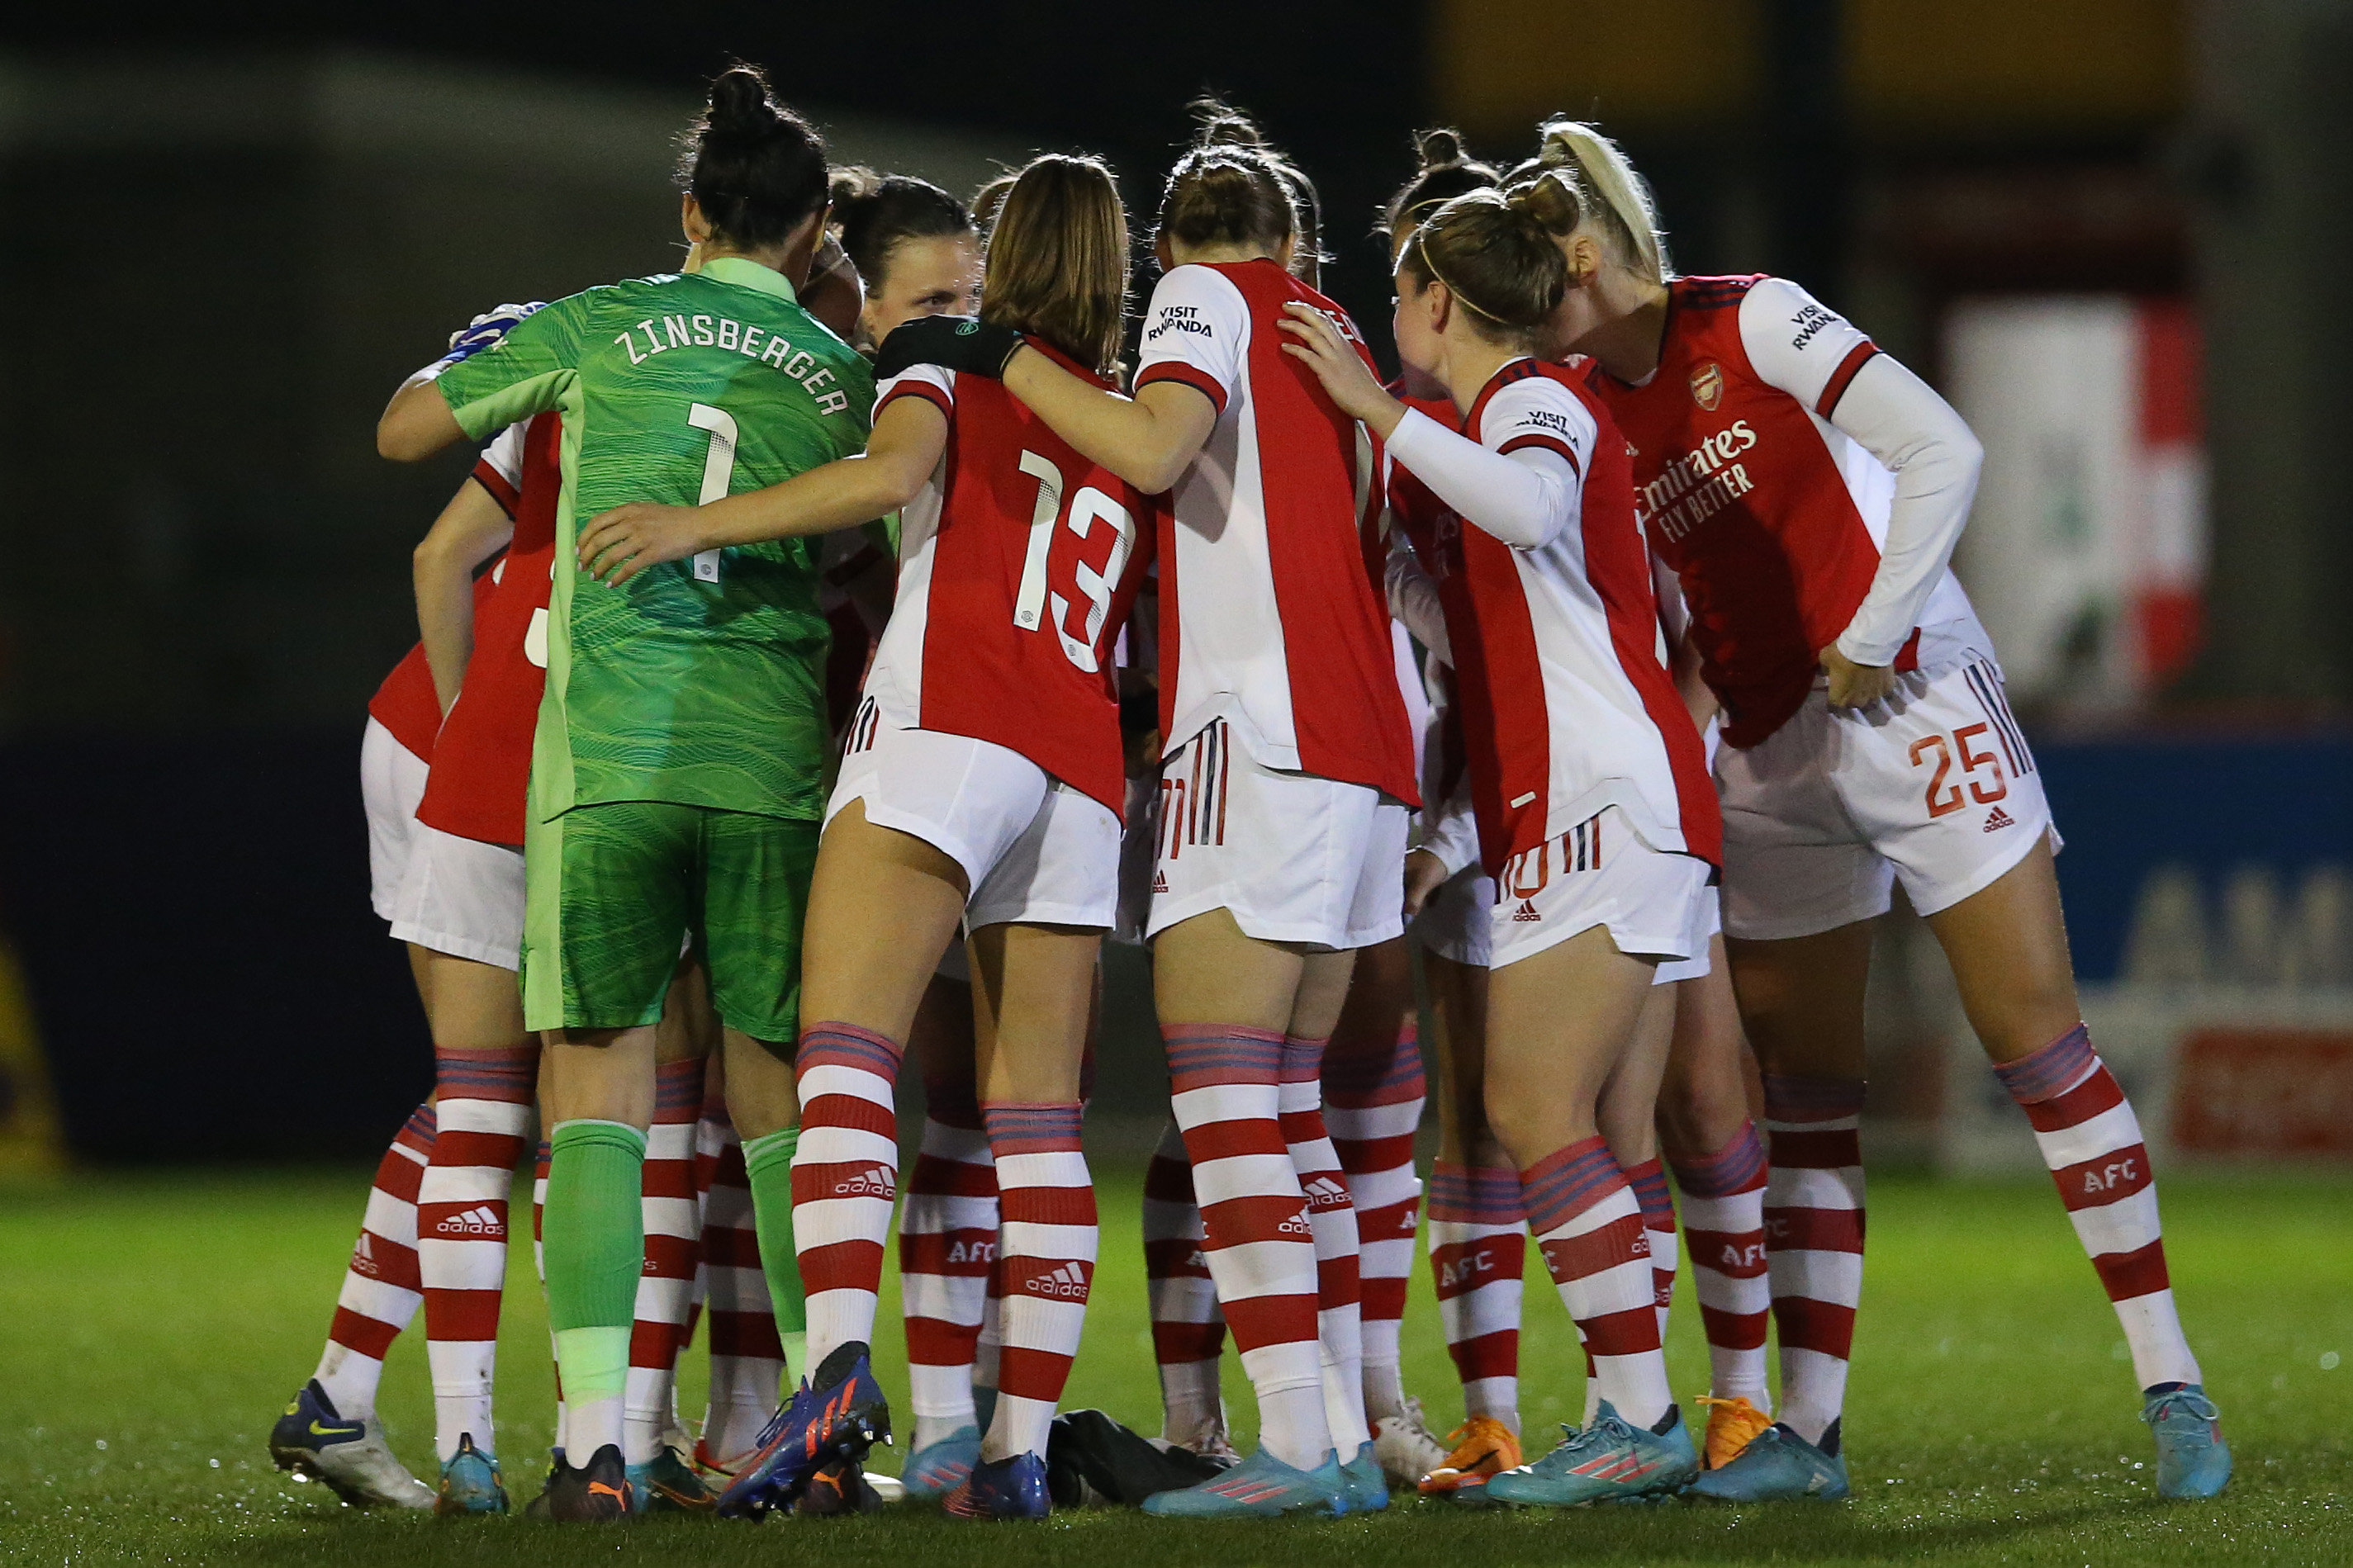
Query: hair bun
[854,182]
[739,103]
[1548,201]
[1439,148]
[1222,125]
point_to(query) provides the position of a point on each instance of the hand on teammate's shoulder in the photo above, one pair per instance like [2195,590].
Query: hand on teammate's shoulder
[963,343]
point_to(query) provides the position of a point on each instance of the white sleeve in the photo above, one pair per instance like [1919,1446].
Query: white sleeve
[933,383]
[1825,362]
[1450,830]
[501,459]
[1522,481]
[1413,598]
[1197,330]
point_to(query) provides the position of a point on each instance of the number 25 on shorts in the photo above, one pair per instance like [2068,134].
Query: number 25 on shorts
[1943,793]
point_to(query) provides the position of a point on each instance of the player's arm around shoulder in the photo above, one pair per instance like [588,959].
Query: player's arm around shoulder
[487,381]
[905,446]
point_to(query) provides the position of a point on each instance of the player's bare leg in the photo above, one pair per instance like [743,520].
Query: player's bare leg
[1033,992]
[1478,1234]
[1228,1004]
[1375,1091]
[947,1243]
[1628,1120]
[1707,1134]
[1550,1064]
[486,1068]
[2008,947]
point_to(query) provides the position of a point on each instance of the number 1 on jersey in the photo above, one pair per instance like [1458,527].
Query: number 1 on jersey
[718,473]
[1031,602]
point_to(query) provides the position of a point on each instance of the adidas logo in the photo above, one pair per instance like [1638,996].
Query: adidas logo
[1297,1225]
[1159,881]
[1066,1283]
[1326,1193]
[482,1221]
[1998,819]
[1526,911]
[364,1256]
[875,1182]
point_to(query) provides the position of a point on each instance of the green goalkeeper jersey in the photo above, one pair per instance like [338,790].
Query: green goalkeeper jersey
[697,682]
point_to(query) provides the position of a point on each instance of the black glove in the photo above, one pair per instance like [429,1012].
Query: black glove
[963,344]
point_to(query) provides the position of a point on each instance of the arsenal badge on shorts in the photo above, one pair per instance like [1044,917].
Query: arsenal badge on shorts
[1707,386]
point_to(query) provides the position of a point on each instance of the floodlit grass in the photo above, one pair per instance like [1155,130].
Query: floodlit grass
[152,1327]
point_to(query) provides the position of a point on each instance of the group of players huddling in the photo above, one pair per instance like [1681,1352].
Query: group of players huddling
[697,816]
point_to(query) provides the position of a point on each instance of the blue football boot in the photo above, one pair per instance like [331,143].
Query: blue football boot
[2192,1460]
[937,1469]
[1368,1488]
[841,1416]
[1605,1462]
[1260,1487]
[1002,1488]
[469,1482]
[350,1457]
[1778,1466]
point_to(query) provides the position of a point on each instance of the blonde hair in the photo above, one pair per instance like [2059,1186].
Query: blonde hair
[1056,261]
[1611,193]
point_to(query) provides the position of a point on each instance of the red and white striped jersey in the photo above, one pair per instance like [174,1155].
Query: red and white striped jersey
[1018,564]
[1566,703]
[481,762]
[1272,609]
[1774,516]
[406,703]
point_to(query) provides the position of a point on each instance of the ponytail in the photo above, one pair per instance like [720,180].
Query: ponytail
[756,168]
[1618,198]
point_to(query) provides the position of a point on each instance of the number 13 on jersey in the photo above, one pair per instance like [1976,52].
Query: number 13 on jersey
[1037,599]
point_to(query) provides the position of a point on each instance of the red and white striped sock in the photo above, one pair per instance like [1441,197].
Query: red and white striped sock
[1724,1228]
[1188,1330]
[1648,1180]
[673,1222]
[539,1265]
[381,1286]
[2091,1140]
[1259,1244]
[948,1248]
[1591,1229]
[1046,1262]
[845,1178]
[1813,1240]
[483,1104]
[1373,1094]
[1332,1215]
[747,1359]
[1478,1250]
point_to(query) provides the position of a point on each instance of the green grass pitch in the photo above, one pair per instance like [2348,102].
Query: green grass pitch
[151,1326]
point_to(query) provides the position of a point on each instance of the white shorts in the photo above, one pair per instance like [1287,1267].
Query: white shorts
[1294,857]
[1458,921]
[1710,914]
[392,781]
[1599,873]
[1033,849]
[1934,784]
[462,897]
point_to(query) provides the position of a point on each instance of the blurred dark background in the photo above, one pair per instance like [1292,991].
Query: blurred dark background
[2109,228]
